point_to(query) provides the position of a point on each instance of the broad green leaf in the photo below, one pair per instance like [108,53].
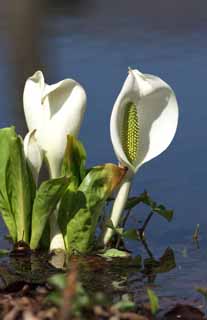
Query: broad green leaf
[19,188]
[46,200]
[72,210]
[15,186]
[5,207]
[154,301]
[74,161]
[81,209]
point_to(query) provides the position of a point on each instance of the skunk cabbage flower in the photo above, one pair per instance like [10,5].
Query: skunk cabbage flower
[143,123]
[54,111]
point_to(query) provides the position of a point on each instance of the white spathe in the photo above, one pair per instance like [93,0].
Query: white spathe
[54,111]
[33,154]
[157,111]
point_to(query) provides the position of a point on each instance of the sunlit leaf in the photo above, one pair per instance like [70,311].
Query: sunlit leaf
[74,161]
[16,186]
[19,189]
[81,209]
[115,253]
[125,304]
[6,135]
[154,301]
[73,215]
[47,197]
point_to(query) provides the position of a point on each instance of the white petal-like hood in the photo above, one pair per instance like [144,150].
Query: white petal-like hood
[157,112]
[64,105]
[33,154]
[54,111]
[32,100]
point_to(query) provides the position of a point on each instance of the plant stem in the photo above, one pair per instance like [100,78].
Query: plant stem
[118,208]
[142,229]
[147,248]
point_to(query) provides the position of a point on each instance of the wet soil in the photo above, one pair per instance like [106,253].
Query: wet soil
[24,288]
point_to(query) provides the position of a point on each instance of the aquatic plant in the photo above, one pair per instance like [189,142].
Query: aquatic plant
[25,209]
[66,210]
[51,112]
[143,123]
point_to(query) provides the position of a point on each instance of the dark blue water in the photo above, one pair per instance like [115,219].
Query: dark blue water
[94,42]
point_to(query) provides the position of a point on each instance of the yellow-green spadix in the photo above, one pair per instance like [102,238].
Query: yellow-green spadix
[143,123]
[52,112]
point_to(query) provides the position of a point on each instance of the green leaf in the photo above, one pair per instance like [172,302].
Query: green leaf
[131,234]
[55,298]
[133,202]
[164,264]
[154,301]
[115,253]
[80,210]
[146,199]
[6,135]
[15,186]
[58,281]
[125,304]
[46,200]
[4,252]
[109,224]
[165,213]
[72,215]
[74,161]
[19,189]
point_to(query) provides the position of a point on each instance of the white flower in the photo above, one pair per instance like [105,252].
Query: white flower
[143,123]
[54,111]
[33,154]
